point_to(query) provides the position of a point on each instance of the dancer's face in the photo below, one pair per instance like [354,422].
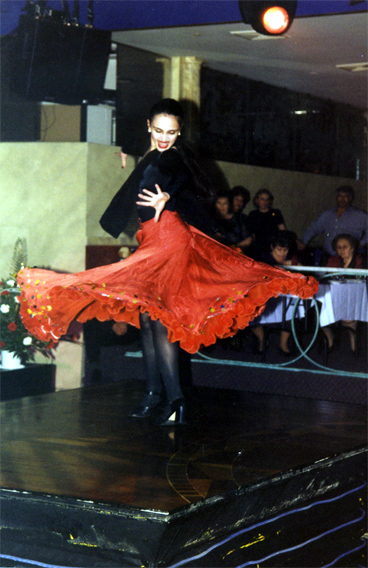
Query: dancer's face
[164,129]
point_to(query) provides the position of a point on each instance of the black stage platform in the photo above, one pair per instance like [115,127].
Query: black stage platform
[254,480]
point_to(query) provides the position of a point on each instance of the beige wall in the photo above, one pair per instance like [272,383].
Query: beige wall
[44,199]
[105,177]
[54,193]
[43,188]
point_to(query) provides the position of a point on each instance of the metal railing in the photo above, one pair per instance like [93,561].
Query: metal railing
[321,273]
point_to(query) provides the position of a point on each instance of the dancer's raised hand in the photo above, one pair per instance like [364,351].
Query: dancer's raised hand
[123,157]
[156,200]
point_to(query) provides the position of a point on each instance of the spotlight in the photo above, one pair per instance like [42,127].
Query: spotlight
[267,17]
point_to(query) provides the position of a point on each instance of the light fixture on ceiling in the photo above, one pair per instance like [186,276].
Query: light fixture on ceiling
[267,17]
[305,112]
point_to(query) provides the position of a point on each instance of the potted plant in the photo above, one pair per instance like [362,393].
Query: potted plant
[17,345]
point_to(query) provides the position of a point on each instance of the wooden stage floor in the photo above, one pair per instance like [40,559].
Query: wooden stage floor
[80,447]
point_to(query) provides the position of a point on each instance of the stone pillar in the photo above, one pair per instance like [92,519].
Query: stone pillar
[182,82]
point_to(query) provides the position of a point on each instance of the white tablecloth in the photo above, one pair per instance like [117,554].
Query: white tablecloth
[342,300]
[275,308]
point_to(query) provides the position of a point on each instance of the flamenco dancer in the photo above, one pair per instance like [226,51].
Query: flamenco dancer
[180,287]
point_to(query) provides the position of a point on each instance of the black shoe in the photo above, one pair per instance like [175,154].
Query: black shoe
[323,346]
[285,353]
[174,414]
[258,351]
[149,403]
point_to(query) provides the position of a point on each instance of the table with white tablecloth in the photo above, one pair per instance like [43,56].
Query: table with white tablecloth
[342,300]
[280,310]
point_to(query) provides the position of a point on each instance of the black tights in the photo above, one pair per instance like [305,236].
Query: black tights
[160,358]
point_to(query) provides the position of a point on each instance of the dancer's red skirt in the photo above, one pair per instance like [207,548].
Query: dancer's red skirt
[199,289]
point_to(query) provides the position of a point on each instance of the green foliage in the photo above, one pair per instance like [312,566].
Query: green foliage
[13,335]
[19,258]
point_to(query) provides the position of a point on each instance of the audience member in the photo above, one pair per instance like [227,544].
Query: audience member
[264,222]
[278,253]
[240,197]
[230,228]
[282,250]
[346,252]
[344,218]
[347,256]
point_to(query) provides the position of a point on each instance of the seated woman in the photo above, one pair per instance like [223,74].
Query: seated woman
[347,256]
[280,247]
[231,230]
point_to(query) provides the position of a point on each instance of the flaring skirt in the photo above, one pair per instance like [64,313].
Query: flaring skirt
[198,288]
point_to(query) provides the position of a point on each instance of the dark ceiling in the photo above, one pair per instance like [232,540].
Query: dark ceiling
[323,54]
[140,14]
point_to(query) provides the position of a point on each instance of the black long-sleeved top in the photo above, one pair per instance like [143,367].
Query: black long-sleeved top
[168,170]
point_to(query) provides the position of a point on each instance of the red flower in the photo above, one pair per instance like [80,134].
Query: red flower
[5,293]
[12,326]
[2,344]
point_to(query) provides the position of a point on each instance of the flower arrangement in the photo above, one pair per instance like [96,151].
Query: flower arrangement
[14,337]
